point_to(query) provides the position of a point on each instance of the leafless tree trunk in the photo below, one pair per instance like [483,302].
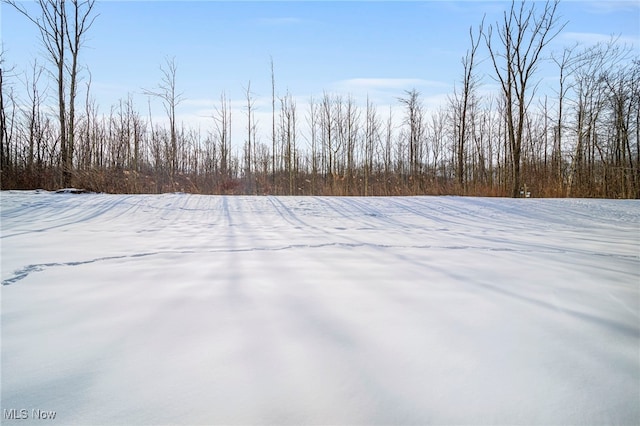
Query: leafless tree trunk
[563,63]
[371,135]
[462,104]
[273,126]
[522,36]
[387,152]
[350,130]
[414,119]
[82,21]
[4,134]
[312,121]
[288,134]
[326,120]
[62,30]
[34,118]
[222,119]
[166,92]
[251,131]
[438,126]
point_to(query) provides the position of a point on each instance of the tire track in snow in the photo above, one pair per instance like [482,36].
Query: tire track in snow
[29,269]
[24,272]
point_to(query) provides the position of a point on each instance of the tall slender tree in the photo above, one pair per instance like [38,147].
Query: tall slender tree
[273,125]
[4,139]
[414,120]
[522,36]
[63,26]
[171,98]
[462,104]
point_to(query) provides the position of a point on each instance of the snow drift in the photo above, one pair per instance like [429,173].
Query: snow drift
[185,309]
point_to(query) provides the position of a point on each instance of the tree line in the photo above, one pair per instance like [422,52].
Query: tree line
[580,141]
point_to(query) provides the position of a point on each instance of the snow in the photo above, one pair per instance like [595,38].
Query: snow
[187,309]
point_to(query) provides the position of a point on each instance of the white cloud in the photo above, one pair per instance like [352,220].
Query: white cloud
[199,103]
[389,83]
[386,91]
[594,38]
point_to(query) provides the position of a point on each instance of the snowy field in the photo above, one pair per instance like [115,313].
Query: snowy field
[185,309]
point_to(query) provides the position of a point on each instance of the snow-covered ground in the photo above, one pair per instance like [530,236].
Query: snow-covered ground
[185,309]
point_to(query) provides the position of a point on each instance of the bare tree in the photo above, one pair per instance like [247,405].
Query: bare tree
[250,142]
[62,30]
[437,127]
[462,104]
[522,36]
[167,93]
[327,138]
[288,135]
[388,142]
[273,124]
[371,136]
[348,130]
[312,121]
[593,71]
[414,119]
[82,21]
[564,63]
[222,136]
[33,118]
[622,104]
[4,133]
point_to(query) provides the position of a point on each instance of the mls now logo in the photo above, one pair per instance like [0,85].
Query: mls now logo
[23,414]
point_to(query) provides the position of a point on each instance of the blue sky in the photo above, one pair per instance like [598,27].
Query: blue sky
[364,48]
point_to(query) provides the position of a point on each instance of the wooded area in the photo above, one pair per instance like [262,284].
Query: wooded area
[581,142]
